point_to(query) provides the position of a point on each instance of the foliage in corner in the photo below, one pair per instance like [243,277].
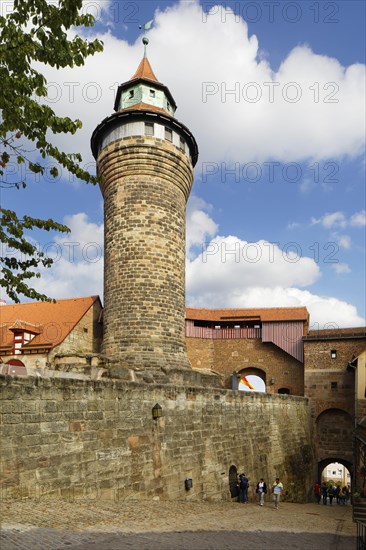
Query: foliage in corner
[35,31]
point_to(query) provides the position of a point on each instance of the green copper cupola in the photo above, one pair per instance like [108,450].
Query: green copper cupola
[144,91]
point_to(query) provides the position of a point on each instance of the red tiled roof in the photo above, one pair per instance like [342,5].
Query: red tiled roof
[144,71]
[53,321]
[255,314]
[357,332]
[145,106]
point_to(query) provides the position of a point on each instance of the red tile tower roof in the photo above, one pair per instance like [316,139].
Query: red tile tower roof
[144,71]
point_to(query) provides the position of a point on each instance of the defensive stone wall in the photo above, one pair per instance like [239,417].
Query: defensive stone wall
[229,355]
[97,439]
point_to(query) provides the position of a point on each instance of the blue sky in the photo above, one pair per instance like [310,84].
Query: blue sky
[274,94]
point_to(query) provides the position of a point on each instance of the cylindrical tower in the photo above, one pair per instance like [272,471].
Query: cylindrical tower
[145,159]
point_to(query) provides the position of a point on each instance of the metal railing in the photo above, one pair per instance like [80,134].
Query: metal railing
[361,535]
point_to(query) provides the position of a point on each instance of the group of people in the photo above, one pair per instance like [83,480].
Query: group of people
[326,491]
[261,490]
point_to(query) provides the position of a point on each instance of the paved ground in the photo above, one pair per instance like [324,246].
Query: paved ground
[182,525]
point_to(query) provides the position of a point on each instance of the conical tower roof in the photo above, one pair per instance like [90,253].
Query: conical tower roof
[144,71]
[144,91]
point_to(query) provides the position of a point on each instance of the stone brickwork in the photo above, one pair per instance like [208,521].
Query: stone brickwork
[334,435]
[227,356]
[328,382]
[330,387]
[71,438]
[145,184]
[86,336]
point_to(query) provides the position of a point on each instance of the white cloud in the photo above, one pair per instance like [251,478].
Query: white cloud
[358,219]
[326,121]
[341,268]
[344,241]
[78,261]
[334,219]
[199,224]
[235,264]
[232,273]
[293,225]
[325,311]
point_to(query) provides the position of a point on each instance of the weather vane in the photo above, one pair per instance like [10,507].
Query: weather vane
[145,39]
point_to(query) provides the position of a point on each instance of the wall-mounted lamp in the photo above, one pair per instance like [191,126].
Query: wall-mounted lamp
[157,411]
[333,354]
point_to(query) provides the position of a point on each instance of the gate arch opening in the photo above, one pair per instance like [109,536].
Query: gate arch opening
[342,478]
[252,379]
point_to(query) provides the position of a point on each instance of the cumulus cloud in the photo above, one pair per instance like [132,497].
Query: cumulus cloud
[358,219]
[78,261]
[325,311]
[311,108]
[199,225]
[232,273]
[236,264]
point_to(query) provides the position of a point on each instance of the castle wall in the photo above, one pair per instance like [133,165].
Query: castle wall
[72,438]
[227,356]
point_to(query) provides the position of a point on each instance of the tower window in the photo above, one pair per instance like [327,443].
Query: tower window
[181,144]
[131,93]
[152,93]
[168,106]
[149,129]
[168,134]
[333,354]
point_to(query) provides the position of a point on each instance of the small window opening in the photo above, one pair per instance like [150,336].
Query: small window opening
[285,391]
[152,93]
[334,385]
[131,93]
[86,330]
[149,129]
[333,354]
[181,144]
[168,134]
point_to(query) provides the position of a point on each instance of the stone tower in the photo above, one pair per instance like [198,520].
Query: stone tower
[145,159]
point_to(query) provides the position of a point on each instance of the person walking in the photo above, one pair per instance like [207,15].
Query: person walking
[331,494]
[243,488]
[317,493]
[277,489]
[324,492]
[261,490]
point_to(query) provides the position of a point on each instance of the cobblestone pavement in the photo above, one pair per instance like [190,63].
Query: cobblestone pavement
[153,525]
